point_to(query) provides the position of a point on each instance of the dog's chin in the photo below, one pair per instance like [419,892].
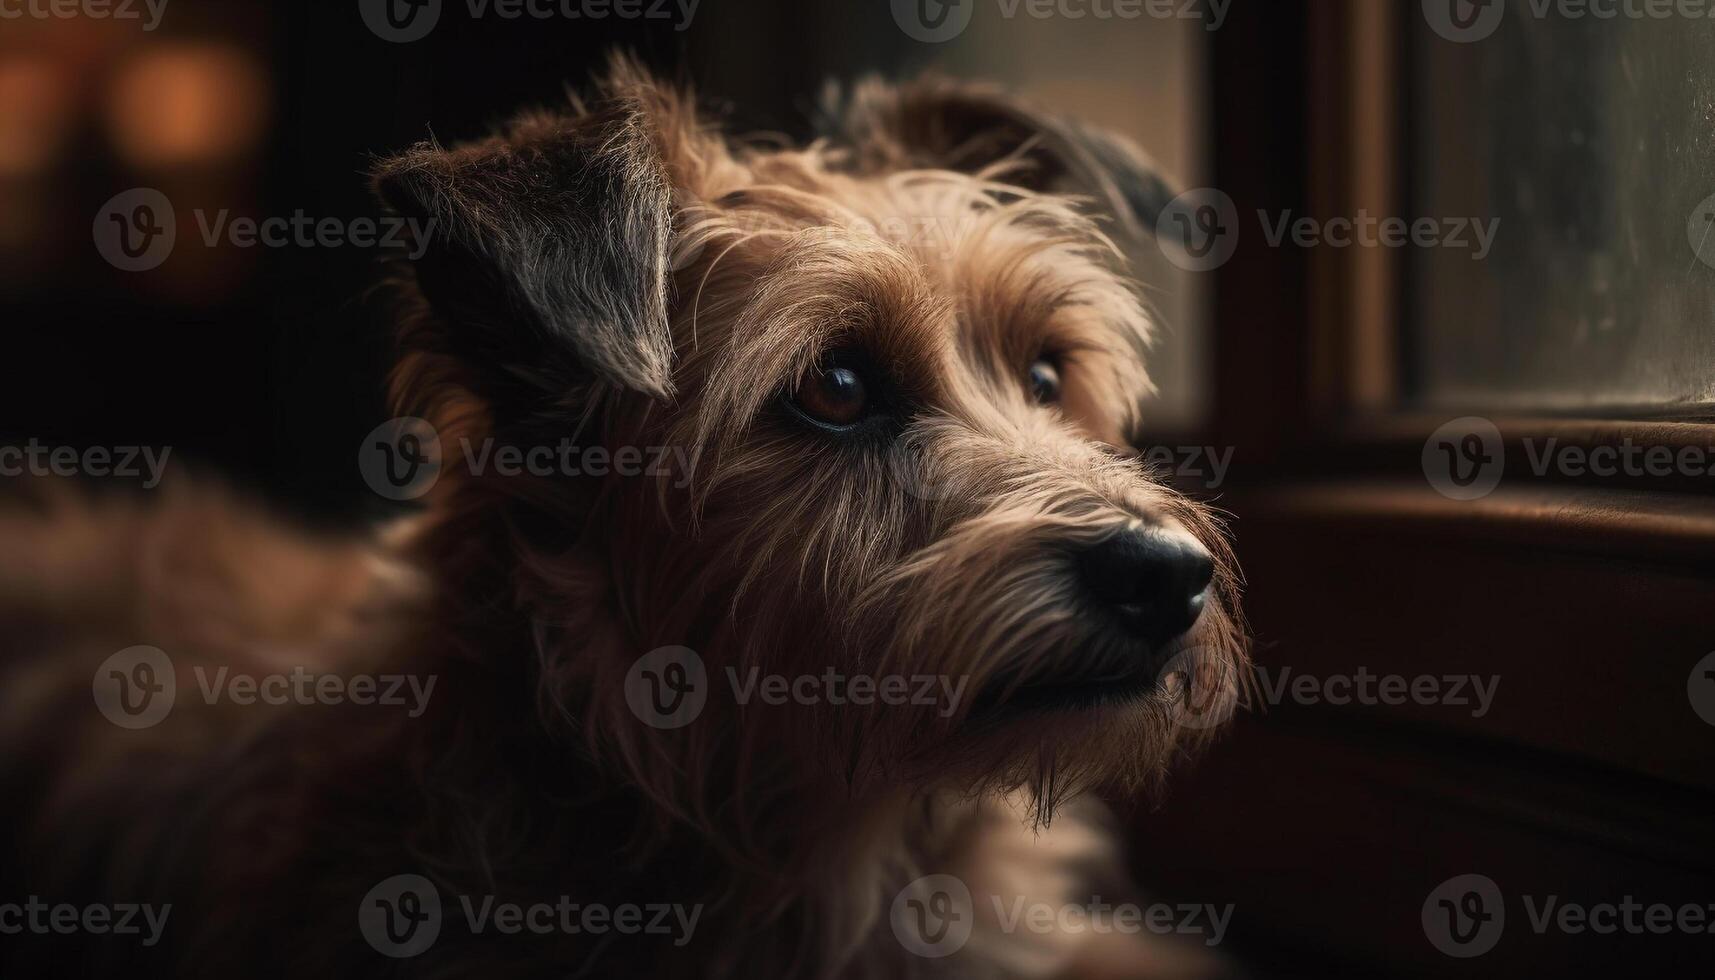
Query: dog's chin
[1117,675]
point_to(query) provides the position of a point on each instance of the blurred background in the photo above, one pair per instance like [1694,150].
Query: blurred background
[1586,143]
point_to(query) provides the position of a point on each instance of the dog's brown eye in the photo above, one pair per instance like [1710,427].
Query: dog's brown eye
[834,396]
[1045,382]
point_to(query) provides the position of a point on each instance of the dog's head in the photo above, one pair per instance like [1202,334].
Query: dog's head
[875,392]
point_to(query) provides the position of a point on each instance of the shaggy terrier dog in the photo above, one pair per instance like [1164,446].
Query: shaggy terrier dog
[813,694]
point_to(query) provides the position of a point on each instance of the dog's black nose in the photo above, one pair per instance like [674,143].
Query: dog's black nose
[1155,581]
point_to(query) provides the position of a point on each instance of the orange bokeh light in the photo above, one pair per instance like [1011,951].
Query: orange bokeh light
[188,104]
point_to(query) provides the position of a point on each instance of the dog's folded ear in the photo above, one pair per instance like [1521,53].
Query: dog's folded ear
[548,242]
[951,125]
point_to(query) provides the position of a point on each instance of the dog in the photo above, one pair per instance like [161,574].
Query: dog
[827,693]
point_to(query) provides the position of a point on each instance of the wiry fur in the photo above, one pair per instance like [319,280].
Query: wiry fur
[621,274]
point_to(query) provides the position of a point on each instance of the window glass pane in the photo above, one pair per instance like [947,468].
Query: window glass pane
[1592,142]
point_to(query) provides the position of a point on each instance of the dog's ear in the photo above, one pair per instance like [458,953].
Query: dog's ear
[940,123]
[548,243]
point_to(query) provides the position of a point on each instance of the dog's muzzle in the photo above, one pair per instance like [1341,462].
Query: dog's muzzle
[1146,587]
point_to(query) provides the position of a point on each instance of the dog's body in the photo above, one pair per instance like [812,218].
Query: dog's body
[903,448]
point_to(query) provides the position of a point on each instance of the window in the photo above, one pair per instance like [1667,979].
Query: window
[1590,142]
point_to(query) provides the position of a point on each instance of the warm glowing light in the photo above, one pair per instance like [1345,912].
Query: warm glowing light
[188,104]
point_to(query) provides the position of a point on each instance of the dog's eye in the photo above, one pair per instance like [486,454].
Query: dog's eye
[1045,382]
[833,395]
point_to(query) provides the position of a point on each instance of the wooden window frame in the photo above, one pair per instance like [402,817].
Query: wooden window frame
[1588,595]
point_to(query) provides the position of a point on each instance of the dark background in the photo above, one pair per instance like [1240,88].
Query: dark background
[266,364]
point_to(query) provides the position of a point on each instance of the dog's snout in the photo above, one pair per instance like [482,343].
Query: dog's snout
[1154,581]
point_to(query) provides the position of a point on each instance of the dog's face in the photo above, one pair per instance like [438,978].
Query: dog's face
[904,363]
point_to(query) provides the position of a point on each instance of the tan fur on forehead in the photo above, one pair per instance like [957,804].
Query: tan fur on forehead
[1012,275]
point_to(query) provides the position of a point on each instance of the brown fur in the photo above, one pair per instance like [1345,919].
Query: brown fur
[531,598]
